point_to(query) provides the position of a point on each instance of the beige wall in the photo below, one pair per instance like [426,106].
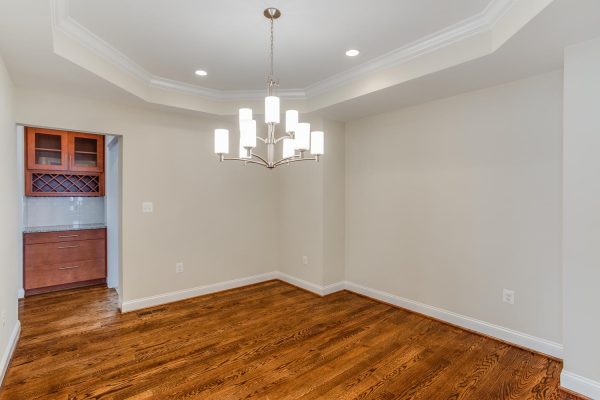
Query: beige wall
[219,219]
[334,203]
[300,221]
[449,202]
[311,212]
[581,213]
[9,213]
[216,218]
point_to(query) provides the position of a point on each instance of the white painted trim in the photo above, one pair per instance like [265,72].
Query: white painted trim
[222,95]
[301,283]
[10,349]
[509,335]
[580,384]
[518,338]
[170,297]
[334,287]
[483,22]
[151,301]
[21,293]
[311,287]
[63,22]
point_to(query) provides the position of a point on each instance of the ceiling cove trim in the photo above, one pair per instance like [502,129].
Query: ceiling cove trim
[68,26]
[482,22]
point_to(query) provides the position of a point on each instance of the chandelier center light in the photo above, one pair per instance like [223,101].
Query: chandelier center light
[296,141]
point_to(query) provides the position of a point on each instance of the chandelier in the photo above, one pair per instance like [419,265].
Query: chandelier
[297,140]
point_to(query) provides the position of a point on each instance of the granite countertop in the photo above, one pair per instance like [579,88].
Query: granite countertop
[58,228]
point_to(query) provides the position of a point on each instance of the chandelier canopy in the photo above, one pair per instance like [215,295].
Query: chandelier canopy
[298,139]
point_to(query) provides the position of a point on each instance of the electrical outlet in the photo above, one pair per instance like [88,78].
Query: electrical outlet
[305,260]
[508,296]
[147,207]
[179,268]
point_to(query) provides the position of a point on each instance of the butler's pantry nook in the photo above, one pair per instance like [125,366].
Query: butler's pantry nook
[299,199]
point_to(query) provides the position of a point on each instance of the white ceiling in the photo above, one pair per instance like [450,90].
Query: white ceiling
[535,49]
[229,38]
[29,50]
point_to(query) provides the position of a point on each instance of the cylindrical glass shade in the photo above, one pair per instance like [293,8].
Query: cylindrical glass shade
[288,148]
[302,137]
[248,134]
[291,120]
[317,143]
[245,114]
[221,141]
[244,153]
[272,109]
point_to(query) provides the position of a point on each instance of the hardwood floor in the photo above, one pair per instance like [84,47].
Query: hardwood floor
[267,341]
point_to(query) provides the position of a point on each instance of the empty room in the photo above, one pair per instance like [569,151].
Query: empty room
[300,199]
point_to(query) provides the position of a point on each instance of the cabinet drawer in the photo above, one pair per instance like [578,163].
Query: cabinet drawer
[64,252]
[63,236]
[40,276]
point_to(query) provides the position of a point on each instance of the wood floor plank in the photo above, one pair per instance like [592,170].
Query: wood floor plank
[265,341]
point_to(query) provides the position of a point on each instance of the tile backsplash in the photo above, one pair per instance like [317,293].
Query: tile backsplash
[52,211]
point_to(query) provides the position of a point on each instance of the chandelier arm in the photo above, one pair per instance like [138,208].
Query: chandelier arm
[259,157]
[290,160]
[245,160]
[264,140]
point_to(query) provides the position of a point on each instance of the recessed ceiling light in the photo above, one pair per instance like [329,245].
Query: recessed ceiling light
[352,53]
[201,72]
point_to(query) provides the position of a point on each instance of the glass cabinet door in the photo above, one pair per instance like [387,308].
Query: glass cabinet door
[46,149]
[86,152]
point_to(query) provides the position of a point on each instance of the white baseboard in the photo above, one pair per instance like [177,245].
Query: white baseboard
[10,349]
[21,293]
[170,297]
[580,384]
[301,283]
[151,301]
[519,338]
[311,287]
[334,287]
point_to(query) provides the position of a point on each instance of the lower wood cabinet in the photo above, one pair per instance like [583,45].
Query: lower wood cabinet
[60,260]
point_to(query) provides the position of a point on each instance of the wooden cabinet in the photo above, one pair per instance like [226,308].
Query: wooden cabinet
[62,163]
[59,260]
[86,152]
[47,149]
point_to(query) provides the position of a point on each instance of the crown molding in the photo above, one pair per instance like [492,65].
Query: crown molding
[485,20]
[471,38]
[221,95]
[482,22]
[64,23]
[67,25]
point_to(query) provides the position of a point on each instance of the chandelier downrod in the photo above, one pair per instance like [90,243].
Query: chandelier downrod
[272,14]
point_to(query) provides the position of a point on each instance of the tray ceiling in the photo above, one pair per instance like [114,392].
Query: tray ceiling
[128,44]
[229,38]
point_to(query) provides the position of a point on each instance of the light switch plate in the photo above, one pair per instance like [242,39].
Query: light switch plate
[147,207]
